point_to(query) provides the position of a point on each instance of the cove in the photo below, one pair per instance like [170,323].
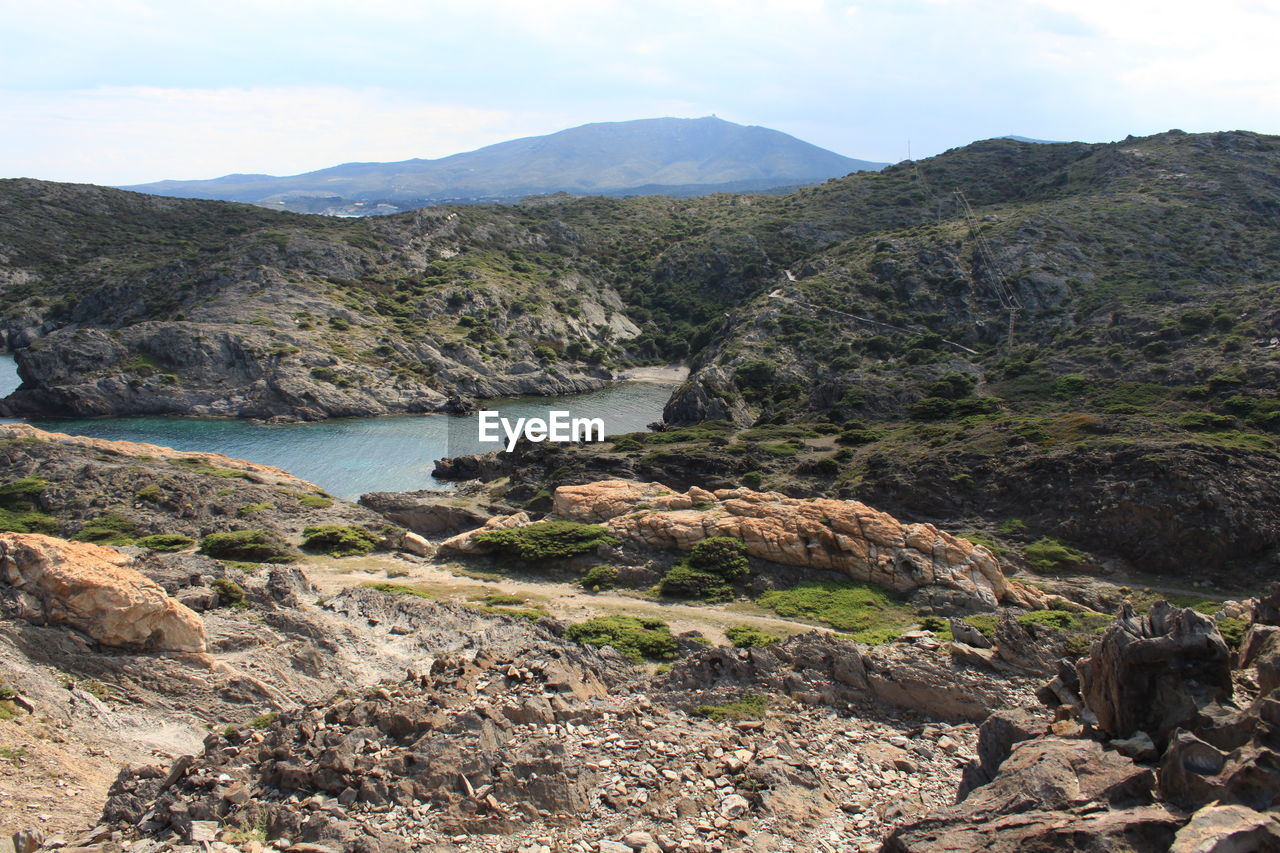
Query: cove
[350,456]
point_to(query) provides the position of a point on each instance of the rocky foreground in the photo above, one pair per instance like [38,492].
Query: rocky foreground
[463,731]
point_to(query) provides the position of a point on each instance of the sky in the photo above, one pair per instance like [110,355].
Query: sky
[128,91]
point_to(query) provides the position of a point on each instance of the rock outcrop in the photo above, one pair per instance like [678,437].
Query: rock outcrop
[819,668]
[143,489]
[846,536]
[431,513]
[1155,673]
[93,590]
[1150,755]
[264,474]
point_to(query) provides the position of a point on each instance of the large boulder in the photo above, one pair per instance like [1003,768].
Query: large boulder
[846,536]
[94,590]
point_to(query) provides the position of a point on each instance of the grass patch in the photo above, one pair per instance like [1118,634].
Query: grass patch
[638,639]
[865,611]
[398,589]
[249,509]
[752,706]
[749,637]
[314,501]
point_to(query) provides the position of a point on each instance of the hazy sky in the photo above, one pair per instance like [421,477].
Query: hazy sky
[124,91]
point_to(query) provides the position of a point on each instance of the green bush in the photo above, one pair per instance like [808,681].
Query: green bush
[626,443]
[250,509]
[166,542]
[682,581]
[1071,386]
[1206,422]
[748,637]
[21,493]
[108,529]
[1050,555]
[263,721]
[599,577]
[706,572]
[636,638]
[721,555]
[932,409]
[753,480]
[338,540]
[314,501]
[546,540]
[230,593]
[248,546]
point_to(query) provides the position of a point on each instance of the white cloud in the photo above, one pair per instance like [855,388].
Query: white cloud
[100,135]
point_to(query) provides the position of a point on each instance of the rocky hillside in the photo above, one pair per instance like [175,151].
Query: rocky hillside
[851,340]
[644,157]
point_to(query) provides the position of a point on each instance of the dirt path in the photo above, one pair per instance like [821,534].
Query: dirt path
[561,600]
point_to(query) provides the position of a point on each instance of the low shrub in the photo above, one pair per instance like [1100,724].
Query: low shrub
[166,542]
[230,593]
[1047,555]
[263,721]
[638,639]
[1232,630]
[339,540]
[248,546]
[109,529]
[599,577]
[724,556]
[547,540]
[682,581]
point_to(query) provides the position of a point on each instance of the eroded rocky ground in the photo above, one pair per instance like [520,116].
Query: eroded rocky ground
[292,707]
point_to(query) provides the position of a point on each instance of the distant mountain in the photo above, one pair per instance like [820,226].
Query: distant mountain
[662,156]
[1016,138]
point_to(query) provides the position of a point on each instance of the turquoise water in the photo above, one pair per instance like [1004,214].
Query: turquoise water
[350,456]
